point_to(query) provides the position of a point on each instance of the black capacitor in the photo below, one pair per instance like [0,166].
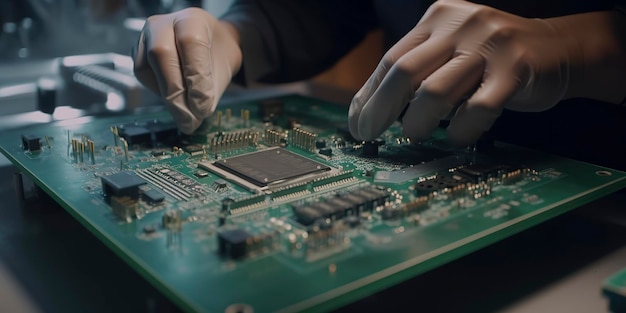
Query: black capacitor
[320,143]
[370,149]
[221,220]
[47,94]
[31,143]
[233,243]
[326,151]
[226,204]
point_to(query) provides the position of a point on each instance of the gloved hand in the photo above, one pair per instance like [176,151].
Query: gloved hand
[188,57]
[468,54]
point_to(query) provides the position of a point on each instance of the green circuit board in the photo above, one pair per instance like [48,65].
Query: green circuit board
[273,206]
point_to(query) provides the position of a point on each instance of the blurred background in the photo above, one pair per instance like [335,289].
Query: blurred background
[63,58]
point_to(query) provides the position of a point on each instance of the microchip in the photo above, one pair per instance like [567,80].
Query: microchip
[269,166]
[232,243]
[478,172]
[122,184]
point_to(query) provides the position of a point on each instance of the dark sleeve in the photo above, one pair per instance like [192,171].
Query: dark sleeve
[290,40]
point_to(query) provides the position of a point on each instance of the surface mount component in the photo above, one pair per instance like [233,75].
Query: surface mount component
[270,166]
[122,184]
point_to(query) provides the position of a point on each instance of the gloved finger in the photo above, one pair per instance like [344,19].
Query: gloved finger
[141,67]
[411,40]
[193,45]
[163,59]
[476,116]
[399,85]
[439,93]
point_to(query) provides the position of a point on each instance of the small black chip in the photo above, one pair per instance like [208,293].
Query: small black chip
[479,172]
[269,166]
[233,243]
[194,150]
[122,184]
[31,143]
[152,196]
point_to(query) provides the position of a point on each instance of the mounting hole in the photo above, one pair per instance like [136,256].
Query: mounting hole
[604,173]
[239,308]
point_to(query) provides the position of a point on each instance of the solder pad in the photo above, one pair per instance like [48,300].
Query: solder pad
[270,166]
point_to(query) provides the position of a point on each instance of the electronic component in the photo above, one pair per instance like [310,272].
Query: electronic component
[274,137]
[370,149]
[416,205]
[152,196]
[478,172]
[31,143]
[265,167]
[135,134]
[233,243]
[227,141]
[303,139]
[320,144]
[201,174]
[149,133]
[415,171]
[220,185]
[174,183]
[352,203]
[194,150]
[437,183]
[246,204]
[172,220]
[325,239]
[292,123]
[326,151]
[125,207]
[122,184]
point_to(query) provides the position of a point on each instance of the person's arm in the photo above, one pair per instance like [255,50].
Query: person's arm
[598,54]
[290,40]
[487,60]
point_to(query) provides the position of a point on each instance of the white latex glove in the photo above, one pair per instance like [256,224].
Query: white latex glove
[188,57]
[461,52]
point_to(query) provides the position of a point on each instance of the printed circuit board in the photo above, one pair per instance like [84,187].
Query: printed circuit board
[273,206]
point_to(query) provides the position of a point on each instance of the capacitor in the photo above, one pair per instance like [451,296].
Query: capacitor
[326,151]
[370,149]
[226,203]
[320,143]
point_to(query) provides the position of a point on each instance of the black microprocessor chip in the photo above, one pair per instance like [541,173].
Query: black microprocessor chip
[269,166]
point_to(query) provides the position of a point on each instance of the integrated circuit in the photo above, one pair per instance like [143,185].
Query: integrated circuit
[270,166]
